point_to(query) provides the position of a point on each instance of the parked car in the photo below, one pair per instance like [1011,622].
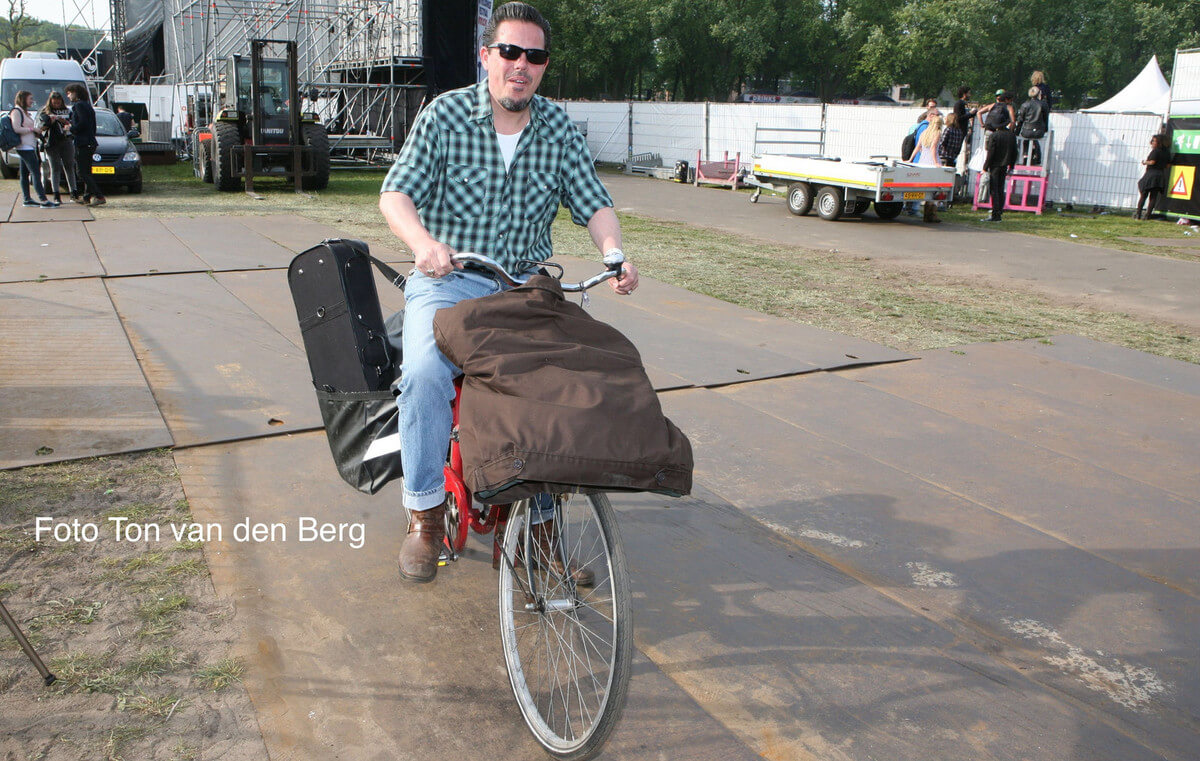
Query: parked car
[116,160]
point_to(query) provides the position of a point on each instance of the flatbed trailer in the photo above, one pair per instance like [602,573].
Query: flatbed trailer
[840,188]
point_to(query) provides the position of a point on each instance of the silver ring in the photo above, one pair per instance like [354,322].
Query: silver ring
[431,272]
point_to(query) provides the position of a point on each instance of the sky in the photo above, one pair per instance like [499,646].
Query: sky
[94,12]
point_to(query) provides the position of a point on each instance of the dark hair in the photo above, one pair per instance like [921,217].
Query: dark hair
[50,98]
[19,100]
[516,12]
[78,90]
[1159,140]
[964,91]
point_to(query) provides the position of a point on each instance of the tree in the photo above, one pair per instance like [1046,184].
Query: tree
[23,31]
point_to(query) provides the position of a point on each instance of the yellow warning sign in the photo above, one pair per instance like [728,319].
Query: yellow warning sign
[1183,180]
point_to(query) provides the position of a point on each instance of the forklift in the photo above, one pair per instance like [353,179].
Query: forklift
[259,129]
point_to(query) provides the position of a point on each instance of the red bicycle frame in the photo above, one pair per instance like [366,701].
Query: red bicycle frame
[482,519]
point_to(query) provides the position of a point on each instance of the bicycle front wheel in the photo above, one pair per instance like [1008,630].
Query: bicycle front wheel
[568,639]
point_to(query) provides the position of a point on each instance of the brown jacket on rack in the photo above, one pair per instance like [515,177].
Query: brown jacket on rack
[554,400]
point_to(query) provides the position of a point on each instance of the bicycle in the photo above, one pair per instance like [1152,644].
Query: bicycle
[568,651]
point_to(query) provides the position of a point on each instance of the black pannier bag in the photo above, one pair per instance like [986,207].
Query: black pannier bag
[354,357]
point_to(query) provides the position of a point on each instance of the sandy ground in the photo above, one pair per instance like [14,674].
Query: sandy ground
[132,627]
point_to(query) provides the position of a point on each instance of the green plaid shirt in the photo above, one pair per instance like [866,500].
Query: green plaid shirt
[452,168]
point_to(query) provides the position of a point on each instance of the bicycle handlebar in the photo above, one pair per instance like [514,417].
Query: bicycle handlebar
[612,262]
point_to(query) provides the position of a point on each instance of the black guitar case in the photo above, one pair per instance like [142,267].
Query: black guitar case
[354,357]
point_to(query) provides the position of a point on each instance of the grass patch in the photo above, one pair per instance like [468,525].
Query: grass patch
[860,297]
[1111,229]
[221,674]
[88,672]
[158,609]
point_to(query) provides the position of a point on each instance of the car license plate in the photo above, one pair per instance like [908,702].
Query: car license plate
[913,196]
[113,170]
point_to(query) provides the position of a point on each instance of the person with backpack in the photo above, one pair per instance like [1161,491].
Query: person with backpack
[83,131]
[999,114]
[55,123]
[27,151]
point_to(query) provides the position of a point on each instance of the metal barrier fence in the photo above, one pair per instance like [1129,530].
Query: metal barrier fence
[1096,161]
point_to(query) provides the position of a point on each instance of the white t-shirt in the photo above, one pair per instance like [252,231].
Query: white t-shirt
[508,147]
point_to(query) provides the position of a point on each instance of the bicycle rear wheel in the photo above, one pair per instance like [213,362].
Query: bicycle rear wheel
[568,647]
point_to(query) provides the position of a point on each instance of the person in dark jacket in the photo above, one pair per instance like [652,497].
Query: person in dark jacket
[55,123]
[126,119]
[1001,155]
[484,169]
[999,113]
[1038,80]
[1155,179]
[83,130]
[1033,121]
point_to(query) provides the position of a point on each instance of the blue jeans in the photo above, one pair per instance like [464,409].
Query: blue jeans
[426,386]
[31,173]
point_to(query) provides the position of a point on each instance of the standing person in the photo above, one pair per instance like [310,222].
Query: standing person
[126,119]
[1154,181]
[83,131]
[31,166]
[483,170]
[999,113]
[1038,80]
[963,113]
[55,122]
[927,154]
[1033,121]
[1001,155]
[948,148]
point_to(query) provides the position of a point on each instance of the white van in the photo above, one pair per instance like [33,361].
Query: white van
[39,75]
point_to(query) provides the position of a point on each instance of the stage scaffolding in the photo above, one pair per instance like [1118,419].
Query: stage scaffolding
[360,61]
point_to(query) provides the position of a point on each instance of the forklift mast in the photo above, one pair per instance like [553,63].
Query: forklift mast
[263,91]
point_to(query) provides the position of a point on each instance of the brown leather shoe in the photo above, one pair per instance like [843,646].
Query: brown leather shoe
[544,535]
[423,546]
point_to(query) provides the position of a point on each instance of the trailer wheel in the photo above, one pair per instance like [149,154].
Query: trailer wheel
[225,140]
[888,209]
[829,202]
[799,198]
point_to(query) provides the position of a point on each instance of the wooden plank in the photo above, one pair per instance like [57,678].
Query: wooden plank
[223,243]
[333,639]
[70,386]
[1117,424]
[218,371]
[140,247]
[46,252]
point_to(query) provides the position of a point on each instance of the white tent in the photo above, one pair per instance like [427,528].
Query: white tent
[1148,93]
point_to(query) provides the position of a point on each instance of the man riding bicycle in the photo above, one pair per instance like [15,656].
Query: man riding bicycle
[484,170]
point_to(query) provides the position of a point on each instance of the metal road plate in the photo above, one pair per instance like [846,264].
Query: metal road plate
[70,386]
[313,613]
[141,246]
[1126,426]
[68,212]
[811,662]
[224,243]
[219,371]
[41,252]
[1174,374]
[1039,612]
[1082,504]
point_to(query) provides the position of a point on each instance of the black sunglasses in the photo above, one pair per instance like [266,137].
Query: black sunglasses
[535,56]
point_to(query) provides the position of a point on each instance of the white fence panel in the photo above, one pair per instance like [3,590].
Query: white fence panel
[731,128]
[1097,158]
[675,131]
[608,127]
[858,132]
[1185,83]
